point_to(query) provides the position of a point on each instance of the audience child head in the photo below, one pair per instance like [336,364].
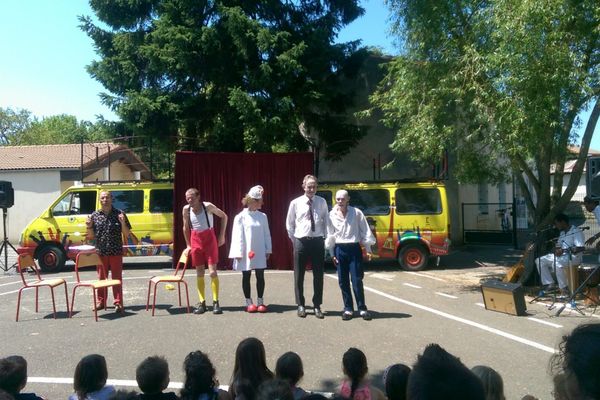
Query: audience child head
[289,368]
[199,377]
[395,378]
[492,382]
[578,358]
[13,374]
[5,395]
[152,375]
[275,389]
[91,375]
[355,367]
[438,374]
[250,368]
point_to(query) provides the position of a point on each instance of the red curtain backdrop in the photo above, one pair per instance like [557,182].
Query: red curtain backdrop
[224,178]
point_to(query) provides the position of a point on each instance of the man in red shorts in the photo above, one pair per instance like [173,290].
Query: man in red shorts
[199,233]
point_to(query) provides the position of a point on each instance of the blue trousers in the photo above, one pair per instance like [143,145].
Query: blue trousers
[349,256]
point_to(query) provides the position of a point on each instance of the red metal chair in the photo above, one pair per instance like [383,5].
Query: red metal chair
[177,277]
[90,259]
[26,262]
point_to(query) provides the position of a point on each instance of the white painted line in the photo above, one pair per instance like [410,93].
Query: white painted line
[446,295]
[427,276]
[480,304]
[115,382]
[545,322]
[411,285]
[465,321]
[385,277]
[5,293]
[11,283]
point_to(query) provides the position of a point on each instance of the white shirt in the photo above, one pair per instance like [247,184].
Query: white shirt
[353,228]
[250,232]
[298,218]
[571,238]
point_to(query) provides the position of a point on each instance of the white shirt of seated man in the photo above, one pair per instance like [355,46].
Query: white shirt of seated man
[568,249]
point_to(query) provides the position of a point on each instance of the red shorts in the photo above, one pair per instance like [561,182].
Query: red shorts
[204,247]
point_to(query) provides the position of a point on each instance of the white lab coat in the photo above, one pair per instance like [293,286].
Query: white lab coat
[250,232]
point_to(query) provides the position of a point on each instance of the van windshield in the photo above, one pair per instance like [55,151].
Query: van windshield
[418,201]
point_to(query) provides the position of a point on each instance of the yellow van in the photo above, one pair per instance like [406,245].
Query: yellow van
[59,232]
[409,219]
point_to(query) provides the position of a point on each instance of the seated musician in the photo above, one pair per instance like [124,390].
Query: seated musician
[570,243]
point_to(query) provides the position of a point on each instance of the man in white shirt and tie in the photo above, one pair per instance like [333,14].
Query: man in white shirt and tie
[307,226]
[350,230]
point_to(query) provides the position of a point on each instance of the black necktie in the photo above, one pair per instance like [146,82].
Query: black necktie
[312,218]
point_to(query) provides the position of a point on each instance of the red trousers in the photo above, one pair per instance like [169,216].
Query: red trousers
[115,265]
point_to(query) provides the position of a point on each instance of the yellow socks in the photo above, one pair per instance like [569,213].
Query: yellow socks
[214,285]
[200,282]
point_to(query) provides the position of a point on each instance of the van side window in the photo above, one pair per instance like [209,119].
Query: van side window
[326,194]
[161,200]
[371,201]
[418,201]
[130,201]
[76,203]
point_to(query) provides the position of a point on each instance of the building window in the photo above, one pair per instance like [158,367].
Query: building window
[482,198]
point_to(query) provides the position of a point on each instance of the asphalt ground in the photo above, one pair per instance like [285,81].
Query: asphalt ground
[440,305]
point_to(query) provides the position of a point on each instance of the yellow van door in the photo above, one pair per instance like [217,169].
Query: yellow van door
[375,204]
[131,202]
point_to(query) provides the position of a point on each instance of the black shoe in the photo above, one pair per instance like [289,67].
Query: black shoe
[200,308]
[366,315]
[319,313]
[347,315]
[301,312]
[216,308]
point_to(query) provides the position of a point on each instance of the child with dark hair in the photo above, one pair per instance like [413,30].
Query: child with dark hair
[357,386]
[395,378]
[152,376]
[90,379]
[200,382]
[578,359]
[492,382]
[250,369]
[13,378]
[289,368]
[438,374]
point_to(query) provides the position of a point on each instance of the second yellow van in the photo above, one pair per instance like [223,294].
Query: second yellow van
[409,219]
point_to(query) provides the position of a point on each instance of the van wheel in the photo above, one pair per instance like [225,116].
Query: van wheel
[51,258]
[413,257]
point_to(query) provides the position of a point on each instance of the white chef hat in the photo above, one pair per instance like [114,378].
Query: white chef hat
[256,192]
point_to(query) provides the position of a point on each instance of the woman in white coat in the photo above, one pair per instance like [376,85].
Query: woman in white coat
[251,246]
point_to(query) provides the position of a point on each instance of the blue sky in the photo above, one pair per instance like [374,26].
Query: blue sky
[44,55]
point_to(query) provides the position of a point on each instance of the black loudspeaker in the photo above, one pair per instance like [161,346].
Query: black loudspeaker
[7,194]
[592,178]
[504,297]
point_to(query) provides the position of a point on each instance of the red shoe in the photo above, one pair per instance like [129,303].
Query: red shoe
[262,308]
[251,308]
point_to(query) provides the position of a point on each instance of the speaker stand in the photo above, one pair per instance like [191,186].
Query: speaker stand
[5,243]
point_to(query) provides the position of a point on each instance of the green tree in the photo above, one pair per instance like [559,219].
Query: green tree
[12,122]
[228,75]
[500,83]
[60,129]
